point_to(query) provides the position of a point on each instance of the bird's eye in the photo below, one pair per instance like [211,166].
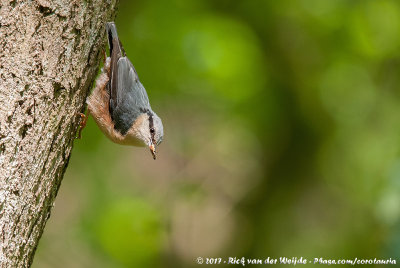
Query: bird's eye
[152,130]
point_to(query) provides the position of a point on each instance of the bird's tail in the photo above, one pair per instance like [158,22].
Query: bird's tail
[113,41]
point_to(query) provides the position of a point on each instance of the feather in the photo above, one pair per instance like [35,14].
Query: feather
[128,97]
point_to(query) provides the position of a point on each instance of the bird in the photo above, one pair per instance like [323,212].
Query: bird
[119,102]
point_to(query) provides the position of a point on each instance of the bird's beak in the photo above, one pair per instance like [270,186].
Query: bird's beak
[153,151]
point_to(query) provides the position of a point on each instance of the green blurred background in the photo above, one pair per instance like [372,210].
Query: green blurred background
[282,139]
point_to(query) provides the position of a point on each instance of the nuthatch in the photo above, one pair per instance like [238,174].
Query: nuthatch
[119,103]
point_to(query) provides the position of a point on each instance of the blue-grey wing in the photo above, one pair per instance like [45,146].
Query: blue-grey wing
[131,98]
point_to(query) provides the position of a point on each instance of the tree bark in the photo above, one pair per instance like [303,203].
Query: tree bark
[49,56]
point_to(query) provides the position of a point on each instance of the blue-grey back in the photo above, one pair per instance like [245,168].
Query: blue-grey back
[131,98]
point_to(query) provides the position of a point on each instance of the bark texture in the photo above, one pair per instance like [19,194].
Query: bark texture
[49,56]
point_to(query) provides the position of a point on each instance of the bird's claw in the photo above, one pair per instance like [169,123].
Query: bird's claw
[82,124]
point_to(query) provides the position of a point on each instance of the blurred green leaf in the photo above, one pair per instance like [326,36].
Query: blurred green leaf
[131,231]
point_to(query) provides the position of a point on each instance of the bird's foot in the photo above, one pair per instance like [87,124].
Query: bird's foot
[82,124]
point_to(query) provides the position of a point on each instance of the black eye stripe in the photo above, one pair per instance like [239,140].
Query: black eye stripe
[152,131]
[151,124]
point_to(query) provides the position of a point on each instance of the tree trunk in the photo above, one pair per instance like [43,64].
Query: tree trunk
[49,56]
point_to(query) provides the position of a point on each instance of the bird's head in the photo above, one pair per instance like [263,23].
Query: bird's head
[147,130]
